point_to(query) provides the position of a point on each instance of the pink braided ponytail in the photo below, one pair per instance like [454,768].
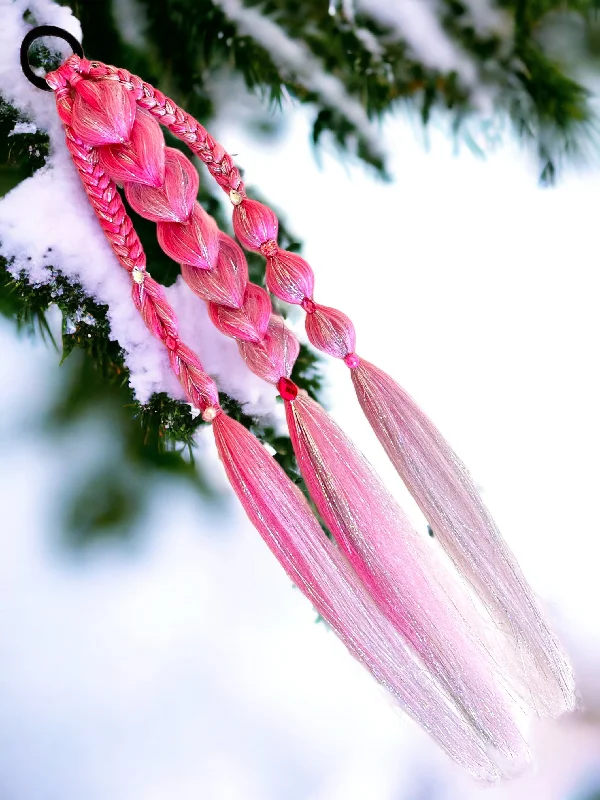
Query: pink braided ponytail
[273,503]
[382,590]
[372,531]
[435,476]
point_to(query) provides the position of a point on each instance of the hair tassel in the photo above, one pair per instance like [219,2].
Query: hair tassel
[447,496]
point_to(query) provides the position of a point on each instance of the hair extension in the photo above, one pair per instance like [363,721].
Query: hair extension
[410,596]
[390,558]
[272,502]
[435,476]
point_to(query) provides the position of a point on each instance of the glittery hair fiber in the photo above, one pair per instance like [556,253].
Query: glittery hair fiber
[279,512]
[447,496]
[363,517]
[400,585]
[273,503]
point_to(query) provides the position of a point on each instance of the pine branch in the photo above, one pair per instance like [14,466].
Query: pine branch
[377,68]
[374,65]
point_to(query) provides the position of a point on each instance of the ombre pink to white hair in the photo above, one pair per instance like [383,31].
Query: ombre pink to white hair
[432,472]
[322,573]
[330,330]
[289,277]
[276,506]
[274,357]
[386,554]
[104,114]
[254,224]
[447,496]
[249,322]
[226,283]
[415,626]
[195,241]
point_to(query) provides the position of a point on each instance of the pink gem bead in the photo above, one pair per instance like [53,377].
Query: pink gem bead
[269,248]
[309,305]
[171,342]
[352,360]
[287,389]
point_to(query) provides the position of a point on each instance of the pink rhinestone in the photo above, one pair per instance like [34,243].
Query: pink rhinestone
[287,389]
[269,248]
[309,305]
[352,360]
[171,342]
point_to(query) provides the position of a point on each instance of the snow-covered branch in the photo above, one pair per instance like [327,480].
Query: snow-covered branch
[46,222]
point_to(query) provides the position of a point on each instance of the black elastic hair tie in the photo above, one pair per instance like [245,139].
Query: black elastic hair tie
[37,33]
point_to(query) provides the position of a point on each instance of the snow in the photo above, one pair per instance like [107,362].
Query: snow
[23,127]
[488,18]
[418,25]
[130,20]
[187,666]
[38,230]
[296,58]
[46,222]
[370,42]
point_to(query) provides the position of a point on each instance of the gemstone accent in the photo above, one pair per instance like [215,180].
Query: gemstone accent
[352,360]
[309,305]
[171,342]
[138,275]
[287,389]
[235,197]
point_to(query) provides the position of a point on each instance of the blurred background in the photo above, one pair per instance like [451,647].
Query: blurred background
[437,163]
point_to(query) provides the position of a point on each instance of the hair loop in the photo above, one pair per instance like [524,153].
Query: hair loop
[37,33]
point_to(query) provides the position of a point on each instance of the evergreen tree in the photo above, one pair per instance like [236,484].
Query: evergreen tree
[351,63]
